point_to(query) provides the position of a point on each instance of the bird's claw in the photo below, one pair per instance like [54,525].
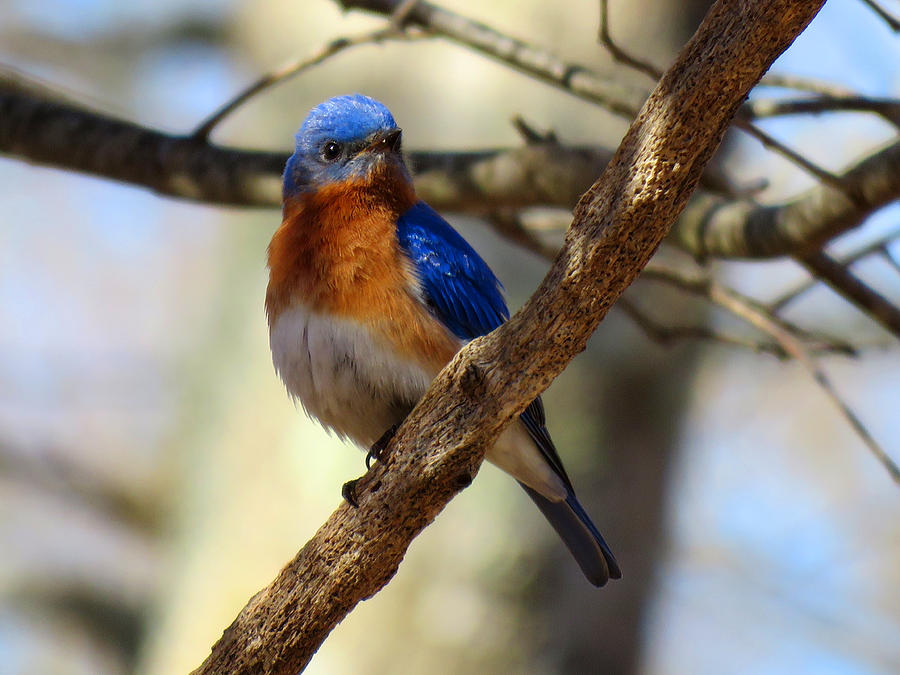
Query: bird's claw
[348,492]
[376,452]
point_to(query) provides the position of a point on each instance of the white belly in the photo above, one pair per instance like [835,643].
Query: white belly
[348,381]
[342,375]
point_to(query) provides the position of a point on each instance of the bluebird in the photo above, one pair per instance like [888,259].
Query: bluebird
[371,293]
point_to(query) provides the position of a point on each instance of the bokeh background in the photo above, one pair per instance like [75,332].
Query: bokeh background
[154,475]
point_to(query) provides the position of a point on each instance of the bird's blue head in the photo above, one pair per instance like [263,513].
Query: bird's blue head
[344,138]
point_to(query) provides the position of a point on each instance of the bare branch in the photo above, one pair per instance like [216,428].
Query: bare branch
[666,335]
[74,138]
[854,290]
[760,108]
[786,335]
[893,23]
[879,245]
[714,227]
[70,137]
[509,224]
[617,97]
[292,69]
[741,306]
[807,84]
[792,156]
[620,54]
[618,225]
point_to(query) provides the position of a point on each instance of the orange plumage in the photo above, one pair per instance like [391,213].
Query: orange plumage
[336,253]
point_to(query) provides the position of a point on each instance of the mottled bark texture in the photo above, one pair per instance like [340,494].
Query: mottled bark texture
[618,225]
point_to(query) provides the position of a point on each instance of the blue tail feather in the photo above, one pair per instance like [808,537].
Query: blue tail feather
[580,536]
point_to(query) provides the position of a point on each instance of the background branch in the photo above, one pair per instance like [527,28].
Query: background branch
[67,136]
[714,227]
[293,68]
[850,287]
[788,337]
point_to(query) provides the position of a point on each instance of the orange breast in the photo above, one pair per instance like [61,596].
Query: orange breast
[336,253]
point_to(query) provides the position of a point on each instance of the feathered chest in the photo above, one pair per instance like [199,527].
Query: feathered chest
[343,374]
[337,251]
[350,334]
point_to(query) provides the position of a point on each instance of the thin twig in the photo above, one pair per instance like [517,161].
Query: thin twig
[854,290]
[508,223]
[617,97]
[889,258]
[760,108]
[741,306]
[572,78]
[294,68]
[808,84]
[890,109]
[667,335]
[890,20]
[620,54]
[879,245]
[782,332]
[531,135]
[777,146]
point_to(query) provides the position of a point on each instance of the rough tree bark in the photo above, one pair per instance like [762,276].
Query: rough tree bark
[618,225]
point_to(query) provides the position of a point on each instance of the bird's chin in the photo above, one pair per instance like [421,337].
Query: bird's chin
[386,168]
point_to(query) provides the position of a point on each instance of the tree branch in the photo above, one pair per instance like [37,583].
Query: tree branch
[618,225]
[541,64]
[292,69]
[789,337]
[761,108]
[714,227]
[617,97]
[846,284]
[879,245]
[68,136]
[884,15]
[620,54]
[43,130]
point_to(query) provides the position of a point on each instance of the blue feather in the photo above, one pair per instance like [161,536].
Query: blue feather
[460,288]
[463,293]
[349,120]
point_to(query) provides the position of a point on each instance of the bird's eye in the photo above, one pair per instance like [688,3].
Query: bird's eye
[331,151]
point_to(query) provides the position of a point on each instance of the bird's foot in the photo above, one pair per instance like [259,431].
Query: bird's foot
[376,452]
[348,492]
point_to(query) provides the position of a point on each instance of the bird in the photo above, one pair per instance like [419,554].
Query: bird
[371,293]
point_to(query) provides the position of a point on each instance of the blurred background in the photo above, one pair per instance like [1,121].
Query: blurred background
[154,474]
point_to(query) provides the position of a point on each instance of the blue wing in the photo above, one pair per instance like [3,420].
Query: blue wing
[460,289]
[463,293]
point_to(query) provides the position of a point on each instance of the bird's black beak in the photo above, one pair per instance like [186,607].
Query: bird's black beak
[386,141]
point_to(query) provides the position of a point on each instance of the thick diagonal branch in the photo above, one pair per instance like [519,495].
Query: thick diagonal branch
[618,225]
